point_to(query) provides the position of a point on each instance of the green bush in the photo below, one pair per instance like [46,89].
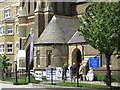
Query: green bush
[102,77]
[115,77]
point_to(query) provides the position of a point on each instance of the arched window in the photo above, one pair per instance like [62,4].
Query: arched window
[48,53]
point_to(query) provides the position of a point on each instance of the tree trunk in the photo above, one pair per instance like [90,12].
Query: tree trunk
[2,74]
[108,73]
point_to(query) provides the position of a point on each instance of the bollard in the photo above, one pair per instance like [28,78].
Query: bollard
[52,76]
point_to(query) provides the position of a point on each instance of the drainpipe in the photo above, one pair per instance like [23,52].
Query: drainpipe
[20,43]
[82,52]
[67,53]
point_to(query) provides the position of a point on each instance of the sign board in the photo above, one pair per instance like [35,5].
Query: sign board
[94,62]
[68,74]
[44,73]
[55,74]
[50,75]
[59,73]
[21,54]
[38,75]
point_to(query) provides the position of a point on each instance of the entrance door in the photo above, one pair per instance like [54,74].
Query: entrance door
[76,56]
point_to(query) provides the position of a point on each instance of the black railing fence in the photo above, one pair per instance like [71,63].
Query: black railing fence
[99,75]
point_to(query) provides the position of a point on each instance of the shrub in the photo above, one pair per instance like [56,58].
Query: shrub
[102,77]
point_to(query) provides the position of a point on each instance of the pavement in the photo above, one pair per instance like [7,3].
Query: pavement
[5,84]
[48,83]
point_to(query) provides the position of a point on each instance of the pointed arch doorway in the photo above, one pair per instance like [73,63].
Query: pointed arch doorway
[76,56]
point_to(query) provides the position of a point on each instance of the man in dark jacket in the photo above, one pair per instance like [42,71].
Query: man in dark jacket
[73,70]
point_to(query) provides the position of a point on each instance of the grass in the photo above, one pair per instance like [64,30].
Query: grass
[22,80]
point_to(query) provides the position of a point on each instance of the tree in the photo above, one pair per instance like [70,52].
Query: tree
[4,64]
[100,25]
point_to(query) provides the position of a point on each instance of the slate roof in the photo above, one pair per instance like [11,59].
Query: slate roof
[59,30]
[77,38]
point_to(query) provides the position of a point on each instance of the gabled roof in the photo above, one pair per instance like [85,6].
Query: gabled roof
[59,30]
[77,38]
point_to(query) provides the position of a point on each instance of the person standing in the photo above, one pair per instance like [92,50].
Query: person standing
[90,75]
[65,68]
[73,70]
[81,68]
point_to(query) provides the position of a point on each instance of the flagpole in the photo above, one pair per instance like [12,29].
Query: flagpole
[31,52]
[29,73]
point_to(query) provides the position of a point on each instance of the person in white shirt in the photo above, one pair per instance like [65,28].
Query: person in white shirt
[90,75]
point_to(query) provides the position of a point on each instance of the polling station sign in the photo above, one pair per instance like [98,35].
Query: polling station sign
[54,73]
[51,74]
[94,62]
[38,75]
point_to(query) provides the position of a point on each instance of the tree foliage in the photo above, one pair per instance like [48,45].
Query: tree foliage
[100,26]
[4,62]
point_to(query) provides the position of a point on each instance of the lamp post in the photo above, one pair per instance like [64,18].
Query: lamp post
[77,75]
[16,78]
[28,73]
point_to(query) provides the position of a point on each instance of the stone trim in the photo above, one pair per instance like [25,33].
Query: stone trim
[30,17]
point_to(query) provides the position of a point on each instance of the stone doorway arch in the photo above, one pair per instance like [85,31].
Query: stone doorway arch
[76,56]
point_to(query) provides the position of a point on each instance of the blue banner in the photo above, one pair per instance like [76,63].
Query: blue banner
[94,62]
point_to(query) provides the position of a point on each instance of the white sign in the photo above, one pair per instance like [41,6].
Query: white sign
[38,75]
[50,75]
[21,54]
[68,74]
[55,75]
[44,73]
[59,73]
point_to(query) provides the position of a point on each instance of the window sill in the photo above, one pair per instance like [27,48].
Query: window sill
[7,17]
[1,52]
[9,34]
[9,53]
[2,34]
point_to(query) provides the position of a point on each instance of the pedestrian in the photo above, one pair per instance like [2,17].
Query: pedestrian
[81,68]
[73,70]
[90,75]
[65,68]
